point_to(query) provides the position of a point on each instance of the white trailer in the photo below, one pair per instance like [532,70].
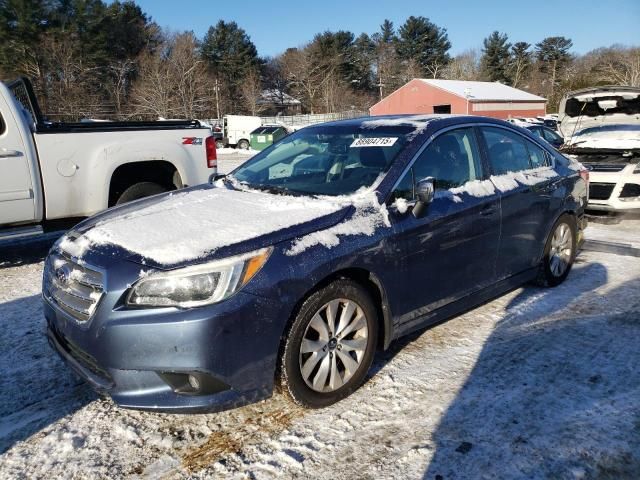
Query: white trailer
[237,130]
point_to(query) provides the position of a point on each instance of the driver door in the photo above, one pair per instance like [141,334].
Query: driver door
[17,202]
[451,250]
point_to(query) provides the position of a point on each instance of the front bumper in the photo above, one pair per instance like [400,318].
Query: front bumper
[614,191]
[127,354]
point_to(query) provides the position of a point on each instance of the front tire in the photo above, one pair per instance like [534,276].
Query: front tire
[559,253]
[330,345]
[243,145]
[140,190]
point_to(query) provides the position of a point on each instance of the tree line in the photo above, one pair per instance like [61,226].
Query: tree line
[88,58]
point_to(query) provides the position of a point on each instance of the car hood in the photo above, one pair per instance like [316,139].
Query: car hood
[182,227]
[607,137]
[594,111]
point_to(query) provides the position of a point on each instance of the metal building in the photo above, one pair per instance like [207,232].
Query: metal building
[490,99]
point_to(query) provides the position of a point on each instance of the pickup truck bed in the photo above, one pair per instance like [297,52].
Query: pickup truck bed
[52,171]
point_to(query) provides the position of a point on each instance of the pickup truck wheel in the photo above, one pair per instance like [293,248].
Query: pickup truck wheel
[330,345]
[243,144]
[140,190]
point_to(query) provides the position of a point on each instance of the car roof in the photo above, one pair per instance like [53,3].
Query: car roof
[439,120]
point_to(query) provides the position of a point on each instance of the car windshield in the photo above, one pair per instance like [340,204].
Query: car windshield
[325,160]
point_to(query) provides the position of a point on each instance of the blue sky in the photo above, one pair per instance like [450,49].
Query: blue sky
[278,24]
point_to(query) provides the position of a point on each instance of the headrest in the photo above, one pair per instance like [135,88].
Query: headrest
[448,143]
[501,151]
[373,157]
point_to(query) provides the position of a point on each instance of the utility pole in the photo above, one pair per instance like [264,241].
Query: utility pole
[217,88]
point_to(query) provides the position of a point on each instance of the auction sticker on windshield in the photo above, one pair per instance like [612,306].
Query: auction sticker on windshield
[374,142]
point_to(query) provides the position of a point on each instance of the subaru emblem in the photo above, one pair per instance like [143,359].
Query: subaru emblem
[63,275]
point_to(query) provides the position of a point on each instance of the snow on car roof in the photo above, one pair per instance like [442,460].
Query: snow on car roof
[482,90]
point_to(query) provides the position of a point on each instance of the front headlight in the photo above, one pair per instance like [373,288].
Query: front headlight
[197,285]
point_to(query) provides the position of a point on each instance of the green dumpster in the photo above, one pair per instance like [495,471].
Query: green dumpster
[264,136]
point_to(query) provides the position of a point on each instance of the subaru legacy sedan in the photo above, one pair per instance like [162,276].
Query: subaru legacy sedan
[294,269]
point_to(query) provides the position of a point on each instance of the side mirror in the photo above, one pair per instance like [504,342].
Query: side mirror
[425,191]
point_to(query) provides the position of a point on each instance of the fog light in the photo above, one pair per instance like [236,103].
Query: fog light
[194,382]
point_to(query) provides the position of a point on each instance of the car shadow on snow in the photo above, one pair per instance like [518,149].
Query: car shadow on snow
[554,392]
[23,252]
[36,387]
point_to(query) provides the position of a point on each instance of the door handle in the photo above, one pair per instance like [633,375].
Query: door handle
[4,153]
[489,210]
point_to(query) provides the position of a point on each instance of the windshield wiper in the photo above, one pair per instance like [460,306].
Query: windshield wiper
[277,190]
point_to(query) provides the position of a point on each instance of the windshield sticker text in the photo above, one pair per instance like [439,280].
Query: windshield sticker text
[374,142]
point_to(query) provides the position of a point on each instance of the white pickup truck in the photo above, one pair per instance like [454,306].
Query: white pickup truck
[52,171]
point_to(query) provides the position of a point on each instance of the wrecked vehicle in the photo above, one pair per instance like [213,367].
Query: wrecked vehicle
[293,269]
[602,125]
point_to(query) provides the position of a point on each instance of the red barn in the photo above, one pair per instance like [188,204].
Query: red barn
[490,99]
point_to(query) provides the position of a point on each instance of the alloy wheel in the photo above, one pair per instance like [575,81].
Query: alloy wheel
[561,250]
[333,345]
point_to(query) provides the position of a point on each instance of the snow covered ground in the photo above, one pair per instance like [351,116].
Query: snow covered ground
[539,383]
[230,161]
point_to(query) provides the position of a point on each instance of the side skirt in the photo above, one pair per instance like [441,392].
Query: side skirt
[467,303]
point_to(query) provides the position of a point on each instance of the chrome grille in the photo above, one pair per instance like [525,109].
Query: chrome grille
[76,289]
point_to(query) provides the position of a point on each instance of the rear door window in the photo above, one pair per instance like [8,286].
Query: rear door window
[507,151]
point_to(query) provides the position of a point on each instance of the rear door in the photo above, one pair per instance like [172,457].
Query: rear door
[522,172]
[451,250]
[17,199]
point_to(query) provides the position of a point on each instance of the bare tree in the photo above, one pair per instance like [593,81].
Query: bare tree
[173,81]
[251,90]
[465,66]
[120,73]
[306,76]
[619,66]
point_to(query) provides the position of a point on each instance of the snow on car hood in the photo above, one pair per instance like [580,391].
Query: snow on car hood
[189,225]
[609,137]
[601,117]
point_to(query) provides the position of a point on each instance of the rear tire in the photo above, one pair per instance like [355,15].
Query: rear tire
[140,190]
[219,144]
[559,253]
[318,366]
[243,144]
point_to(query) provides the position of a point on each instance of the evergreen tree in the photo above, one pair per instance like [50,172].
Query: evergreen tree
[520,62]
[364,54]
[553,57]
[387,63]
[387,32]
[229,52]
[425,44]
[495,58]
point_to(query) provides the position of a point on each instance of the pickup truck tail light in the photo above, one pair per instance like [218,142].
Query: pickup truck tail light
[210,147]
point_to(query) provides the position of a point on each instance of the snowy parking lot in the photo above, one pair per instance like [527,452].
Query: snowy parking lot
[539,383]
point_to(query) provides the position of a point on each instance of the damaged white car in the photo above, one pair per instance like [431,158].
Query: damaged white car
[602,128]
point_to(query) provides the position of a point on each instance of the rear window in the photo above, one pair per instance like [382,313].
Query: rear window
[265,130]
[594,108]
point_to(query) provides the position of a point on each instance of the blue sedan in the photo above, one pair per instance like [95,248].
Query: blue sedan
[295,268]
